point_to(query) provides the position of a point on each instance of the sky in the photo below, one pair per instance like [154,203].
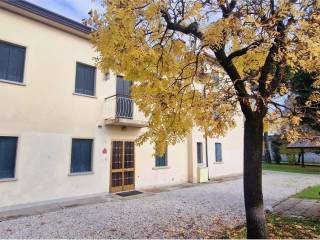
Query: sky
[74,9]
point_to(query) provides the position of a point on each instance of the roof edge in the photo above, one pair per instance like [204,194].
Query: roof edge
[47,14]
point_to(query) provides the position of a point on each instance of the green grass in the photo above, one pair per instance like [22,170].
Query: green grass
[280,227]
[308,169]
[309,193]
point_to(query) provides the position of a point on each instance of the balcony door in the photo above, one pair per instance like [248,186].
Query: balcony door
[122,166]
[124,102]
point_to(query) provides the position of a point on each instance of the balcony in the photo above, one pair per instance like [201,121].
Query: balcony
[122,111]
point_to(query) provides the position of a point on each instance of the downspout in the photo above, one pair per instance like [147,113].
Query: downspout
[206,140]
[207,159]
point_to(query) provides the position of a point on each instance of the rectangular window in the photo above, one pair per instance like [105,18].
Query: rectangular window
[8,152]
[12,59]
[218,150]
[123,87]
[85,79]
[199,153]
[81,155]
[162,161]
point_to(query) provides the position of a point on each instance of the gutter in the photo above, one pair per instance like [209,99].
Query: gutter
[32,11]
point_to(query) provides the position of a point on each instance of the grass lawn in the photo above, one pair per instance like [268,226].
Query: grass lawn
[308,169]
[309,193]
[283,228]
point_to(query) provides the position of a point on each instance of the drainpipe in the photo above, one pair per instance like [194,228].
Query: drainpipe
[206,140]
[192,166]
[207,159]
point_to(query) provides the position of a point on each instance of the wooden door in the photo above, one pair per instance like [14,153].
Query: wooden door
[122,166]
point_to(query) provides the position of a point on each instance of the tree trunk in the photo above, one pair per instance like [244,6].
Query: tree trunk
[253,149]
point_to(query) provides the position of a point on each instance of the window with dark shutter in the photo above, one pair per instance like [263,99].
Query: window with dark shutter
[8,151]
[85,79]
[81,156]
[162,161]
[199,153]
[12,59]
[123,87]
[218,150]
[124,102]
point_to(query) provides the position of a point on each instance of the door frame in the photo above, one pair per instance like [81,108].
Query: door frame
[122,169]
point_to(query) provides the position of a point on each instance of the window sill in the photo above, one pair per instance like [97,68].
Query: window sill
[84,95]
[202,165]
[8,179]
[218,163]
[80,173]
[159,168]
[12,82]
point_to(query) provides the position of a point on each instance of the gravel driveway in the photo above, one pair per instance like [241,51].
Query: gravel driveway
[186,212]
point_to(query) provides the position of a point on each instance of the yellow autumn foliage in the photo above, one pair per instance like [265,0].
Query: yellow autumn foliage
[173,52]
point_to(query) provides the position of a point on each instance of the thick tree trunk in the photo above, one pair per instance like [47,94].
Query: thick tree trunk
[253,147]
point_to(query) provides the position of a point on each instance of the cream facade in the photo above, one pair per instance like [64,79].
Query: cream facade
[45,114]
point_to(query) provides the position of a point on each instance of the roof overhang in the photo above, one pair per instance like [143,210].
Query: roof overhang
[45,16]
[310,143]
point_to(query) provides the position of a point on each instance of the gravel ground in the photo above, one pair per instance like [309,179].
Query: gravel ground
[186,212]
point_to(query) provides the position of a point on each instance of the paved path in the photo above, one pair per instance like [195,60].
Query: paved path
[191,211]
[299,207]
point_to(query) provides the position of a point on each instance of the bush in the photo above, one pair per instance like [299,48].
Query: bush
[292,158]
[275,146]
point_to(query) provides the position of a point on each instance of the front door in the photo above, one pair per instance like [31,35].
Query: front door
[122,166]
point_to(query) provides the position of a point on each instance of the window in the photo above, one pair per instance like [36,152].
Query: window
[12,60]
[218,150]
[8,151]
[162,161]
[85,79]
[123,87]
[199,153]
[81,156]
[124,107]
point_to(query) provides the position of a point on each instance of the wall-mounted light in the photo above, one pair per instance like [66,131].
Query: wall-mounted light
[107,76]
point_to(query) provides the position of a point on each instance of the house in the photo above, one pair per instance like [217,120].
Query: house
[68,130]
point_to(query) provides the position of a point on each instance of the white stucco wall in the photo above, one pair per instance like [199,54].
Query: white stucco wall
[45,115]
[232,151]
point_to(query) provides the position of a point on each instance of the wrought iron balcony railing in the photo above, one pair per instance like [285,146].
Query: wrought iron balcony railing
[124,107]
[121,110]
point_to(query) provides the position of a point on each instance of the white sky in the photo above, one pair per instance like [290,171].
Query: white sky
[74,9]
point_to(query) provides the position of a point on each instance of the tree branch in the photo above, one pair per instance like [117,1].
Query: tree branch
[190,29]
[243,51]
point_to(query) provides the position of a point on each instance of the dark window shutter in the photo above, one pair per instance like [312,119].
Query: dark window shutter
[199,153]
[162,161]
[123,87]
[12,60]
[85,79]
[218,150]
[119,85]
[8,151]
[81,156]
[4,60]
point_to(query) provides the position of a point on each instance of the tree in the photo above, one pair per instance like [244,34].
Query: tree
[196,63]
[303,87]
